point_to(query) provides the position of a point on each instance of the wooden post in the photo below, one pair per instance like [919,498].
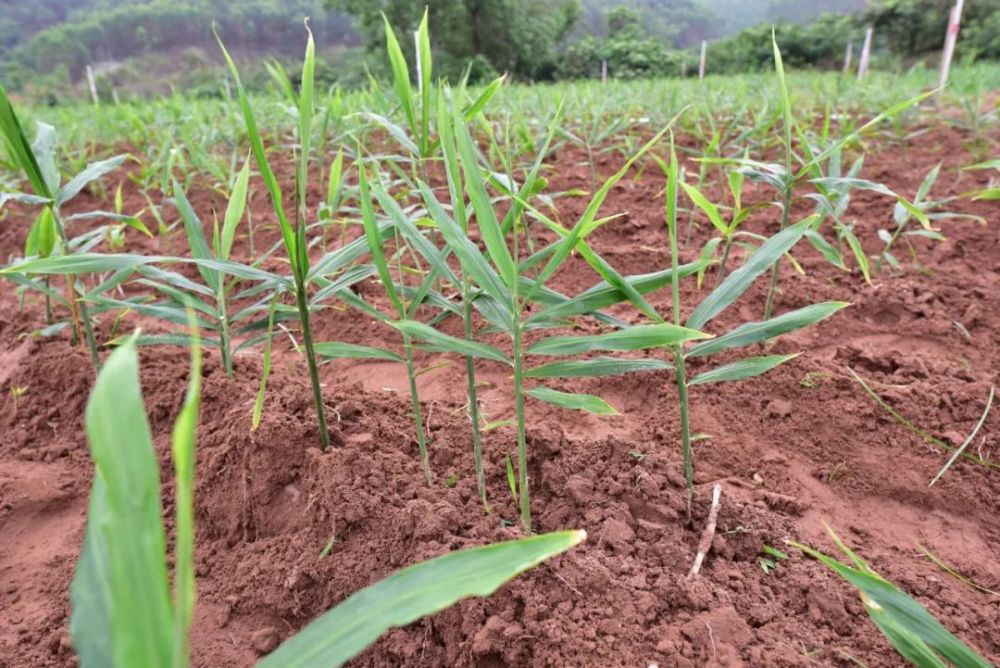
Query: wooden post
[950,37]
[866,52]
[604,71]
[416,51]
[92,80]
[847,57]
[701,61]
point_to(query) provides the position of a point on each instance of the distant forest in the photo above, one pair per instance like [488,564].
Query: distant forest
[45,45]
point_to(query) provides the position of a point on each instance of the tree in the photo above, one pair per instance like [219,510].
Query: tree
[517,36]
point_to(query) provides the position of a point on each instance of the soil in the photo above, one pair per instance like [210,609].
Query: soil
[286,531]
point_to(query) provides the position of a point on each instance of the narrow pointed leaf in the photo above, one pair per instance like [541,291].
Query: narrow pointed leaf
[573,401]
[123,572]
[337,349]
[741,369]
[598,366]
[640,337]
[92,172]
[754,332]
[740,280]
[234,209]
[447,343]
[412,593]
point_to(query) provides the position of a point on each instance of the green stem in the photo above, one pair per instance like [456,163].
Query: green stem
[470,373]
[307,339]
[522,441]
[678,350]
[722,263]
[418,417]
[776,267]
[225,339]
[77,305]
[88,332]
[682,397]
[48,302]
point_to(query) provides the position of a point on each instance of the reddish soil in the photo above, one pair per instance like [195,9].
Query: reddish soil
[793,449]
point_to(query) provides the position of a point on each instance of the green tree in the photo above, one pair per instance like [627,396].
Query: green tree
[516,36]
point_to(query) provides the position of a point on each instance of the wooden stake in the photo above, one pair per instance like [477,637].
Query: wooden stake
[92,80]
[701,61]
[416,51]
[848,54]
[604,71]
[705,544]
[950,37]
[866,51]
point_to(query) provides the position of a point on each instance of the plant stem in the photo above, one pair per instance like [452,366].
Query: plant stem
[224,334]
[678,349]
[522,441]
[721,274]
[88,332]
[418,417]
[307,339]
[518,351]
[776,267]
[470,373]
[48,302]
[77,307]
[682,399]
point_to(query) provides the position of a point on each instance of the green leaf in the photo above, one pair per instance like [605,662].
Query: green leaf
[916,212]
[81,263]
[336,349]
[741,369]
[740,280]
[470,112]
[374,237]
[234,210]
[412,593]
[598,366]
[44,148]
[840,143]
[586,224]
[122,575]
[41,239]
[195,235]
[435,258]
[489,226]
[20,148]
[400,75]
[446,343]
[705,205]
[859,253]
[468,253]
[573,401]
[639,337]
[350,277]
[604,294]
[909,627]
[257,146]
[754,332]
[925,186]
[92,172]
[183,449]
[826,249]
[846,183]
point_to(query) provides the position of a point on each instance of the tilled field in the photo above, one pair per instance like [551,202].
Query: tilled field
[792,449]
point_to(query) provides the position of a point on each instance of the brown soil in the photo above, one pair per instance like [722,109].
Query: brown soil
[792,449]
